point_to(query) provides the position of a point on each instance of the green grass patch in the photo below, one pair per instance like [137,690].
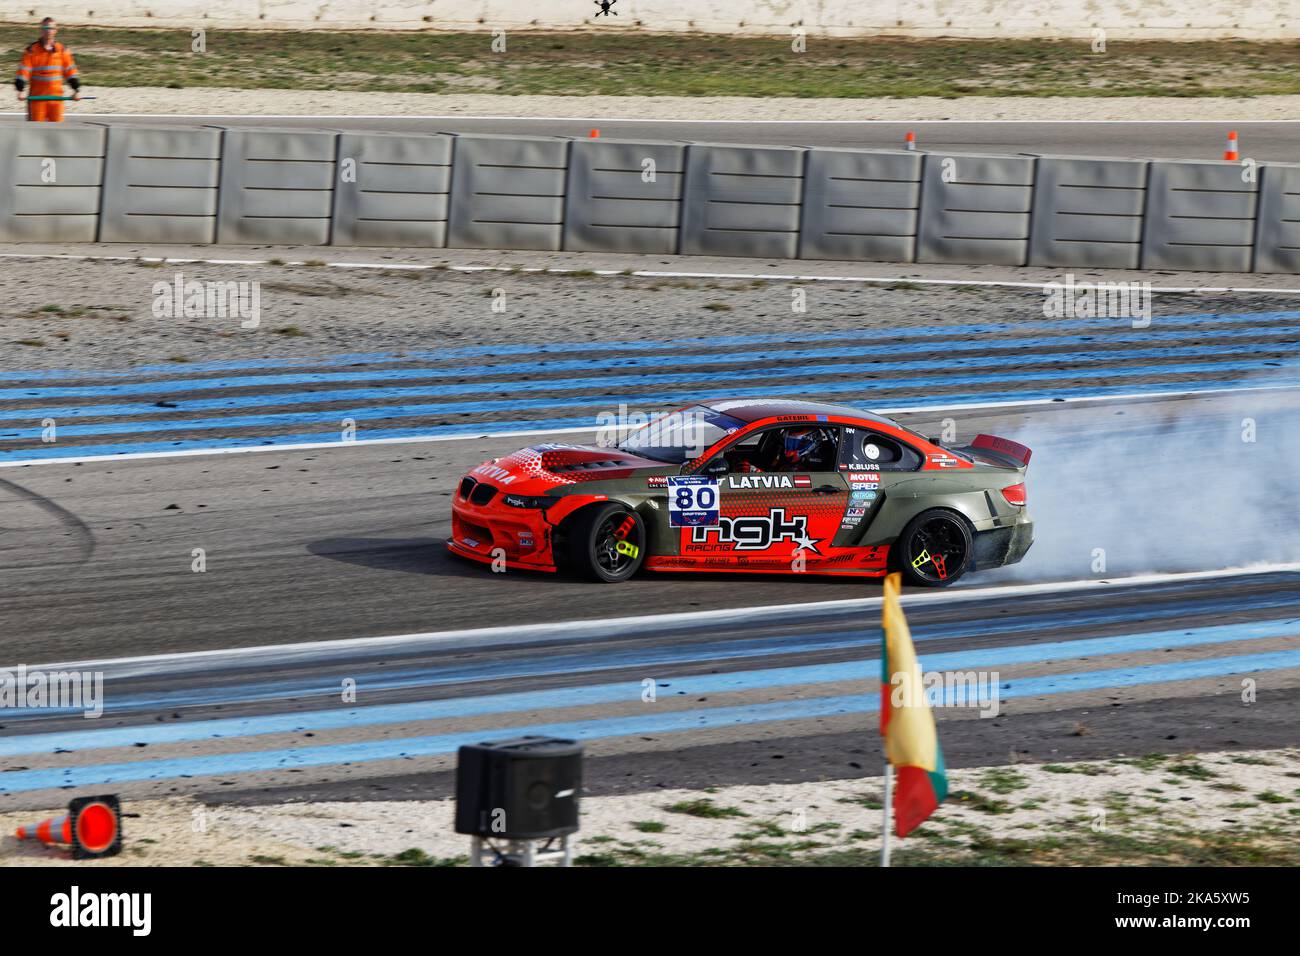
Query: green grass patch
[1232,846]
[417,857]
[1003,780]
[635,63]
[704,807]
[1192,770]
[1087,769]
[977,801]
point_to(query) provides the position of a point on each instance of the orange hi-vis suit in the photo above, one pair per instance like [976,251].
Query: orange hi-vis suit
[46,69]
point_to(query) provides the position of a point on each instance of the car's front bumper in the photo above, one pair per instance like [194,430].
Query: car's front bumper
[522,537]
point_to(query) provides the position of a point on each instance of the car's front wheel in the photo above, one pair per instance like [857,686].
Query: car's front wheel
[935,548]
[606,542]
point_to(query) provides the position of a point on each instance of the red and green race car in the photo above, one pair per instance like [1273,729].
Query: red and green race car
[758,485]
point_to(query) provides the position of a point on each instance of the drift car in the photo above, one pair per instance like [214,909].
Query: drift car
[773,486]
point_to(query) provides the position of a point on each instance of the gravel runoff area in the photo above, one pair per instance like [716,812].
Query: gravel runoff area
[1210,809]
[200,101]
[76,314]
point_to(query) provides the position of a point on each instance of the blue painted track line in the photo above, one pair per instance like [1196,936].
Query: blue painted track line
[489,428]
[442,674]
[629,691]
[385,412]
[1105,326]
[672,722]
[394,393]
[1018,354]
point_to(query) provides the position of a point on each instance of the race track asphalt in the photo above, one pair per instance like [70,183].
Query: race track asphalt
[346,543]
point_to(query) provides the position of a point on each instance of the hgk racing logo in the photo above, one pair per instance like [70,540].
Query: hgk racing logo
[757,532]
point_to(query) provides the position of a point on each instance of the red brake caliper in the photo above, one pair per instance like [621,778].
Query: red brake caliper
[624,546]
[939,563]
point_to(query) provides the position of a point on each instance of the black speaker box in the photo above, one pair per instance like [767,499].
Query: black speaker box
[522,789]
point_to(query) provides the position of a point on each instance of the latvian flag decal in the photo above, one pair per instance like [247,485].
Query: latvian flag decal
[803,481]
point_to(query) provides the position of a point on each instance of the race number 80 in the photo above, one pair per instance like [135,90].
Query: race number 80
[693,501]
[696,498]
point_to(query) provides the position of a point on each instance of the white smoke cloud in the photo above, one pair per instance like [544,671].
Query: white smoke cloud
[1172,486]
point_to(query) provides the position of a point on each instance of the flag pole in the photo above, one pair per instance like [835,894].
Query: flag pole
[888,803]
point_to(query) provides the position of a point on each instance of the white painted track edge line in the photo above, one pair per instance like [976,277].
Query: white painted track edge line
[640,273]
[585,429]
[323,651]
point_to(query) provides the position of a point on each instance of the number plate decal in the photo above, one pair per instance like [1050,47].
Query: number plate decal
[693,502]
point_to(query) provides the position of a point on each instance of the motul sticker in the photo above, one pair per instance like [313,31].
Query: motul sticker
[752,533]
[870,476]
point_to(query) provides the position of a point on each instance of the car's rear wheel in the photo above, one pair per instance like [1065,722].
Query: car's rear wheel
[935,548]
[606,542]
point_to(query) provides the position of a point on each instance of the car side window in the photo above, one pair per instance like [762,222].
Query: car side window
[785,449]
[863,448]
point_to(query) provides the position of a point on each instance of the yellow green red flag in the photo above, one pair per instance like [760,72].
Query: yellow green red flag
[906,724]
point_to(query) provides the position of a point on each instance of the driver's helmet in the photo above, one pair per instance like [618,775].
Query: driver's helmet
[805,447]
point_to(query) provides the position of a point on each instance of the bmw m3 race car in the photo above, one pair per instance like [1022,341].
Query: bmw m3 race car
[772,486]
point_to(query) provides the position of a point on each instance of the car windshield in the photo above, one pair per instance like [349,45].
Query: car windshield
[679,436]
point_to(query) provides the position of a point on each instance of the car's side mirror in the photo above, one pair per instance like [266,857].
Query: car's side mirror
[716,467]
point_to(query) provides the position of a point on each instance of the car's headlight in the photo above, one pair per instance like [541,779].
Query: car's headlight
[522,501]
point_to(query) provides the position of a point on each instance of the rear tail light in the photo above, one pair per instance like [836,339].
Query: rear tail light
[1015,494]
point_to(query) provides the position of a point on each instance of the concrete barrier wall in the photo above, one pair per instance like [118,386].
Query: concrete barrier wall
[1088,212]
[160,184]
[1277,231]
[1121,19]
[392,190]
[1200,216]
[507,192]
[50,183]
[861,205]
[130,183]
[624,196]
[277,186]
[742,200]
[975,209]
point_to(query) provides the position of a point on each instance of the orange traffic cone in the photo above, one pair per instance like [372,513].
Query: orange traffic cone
[92,826]
[910,140]
[1230,152]
[594,134]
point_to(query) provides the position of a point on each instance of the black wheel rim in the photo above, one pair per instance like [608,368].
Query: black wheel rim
[611,560]
[937,549]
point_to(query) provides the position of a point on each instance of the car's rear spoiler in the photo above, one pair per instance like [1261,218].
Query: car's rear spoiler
[1004,447]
